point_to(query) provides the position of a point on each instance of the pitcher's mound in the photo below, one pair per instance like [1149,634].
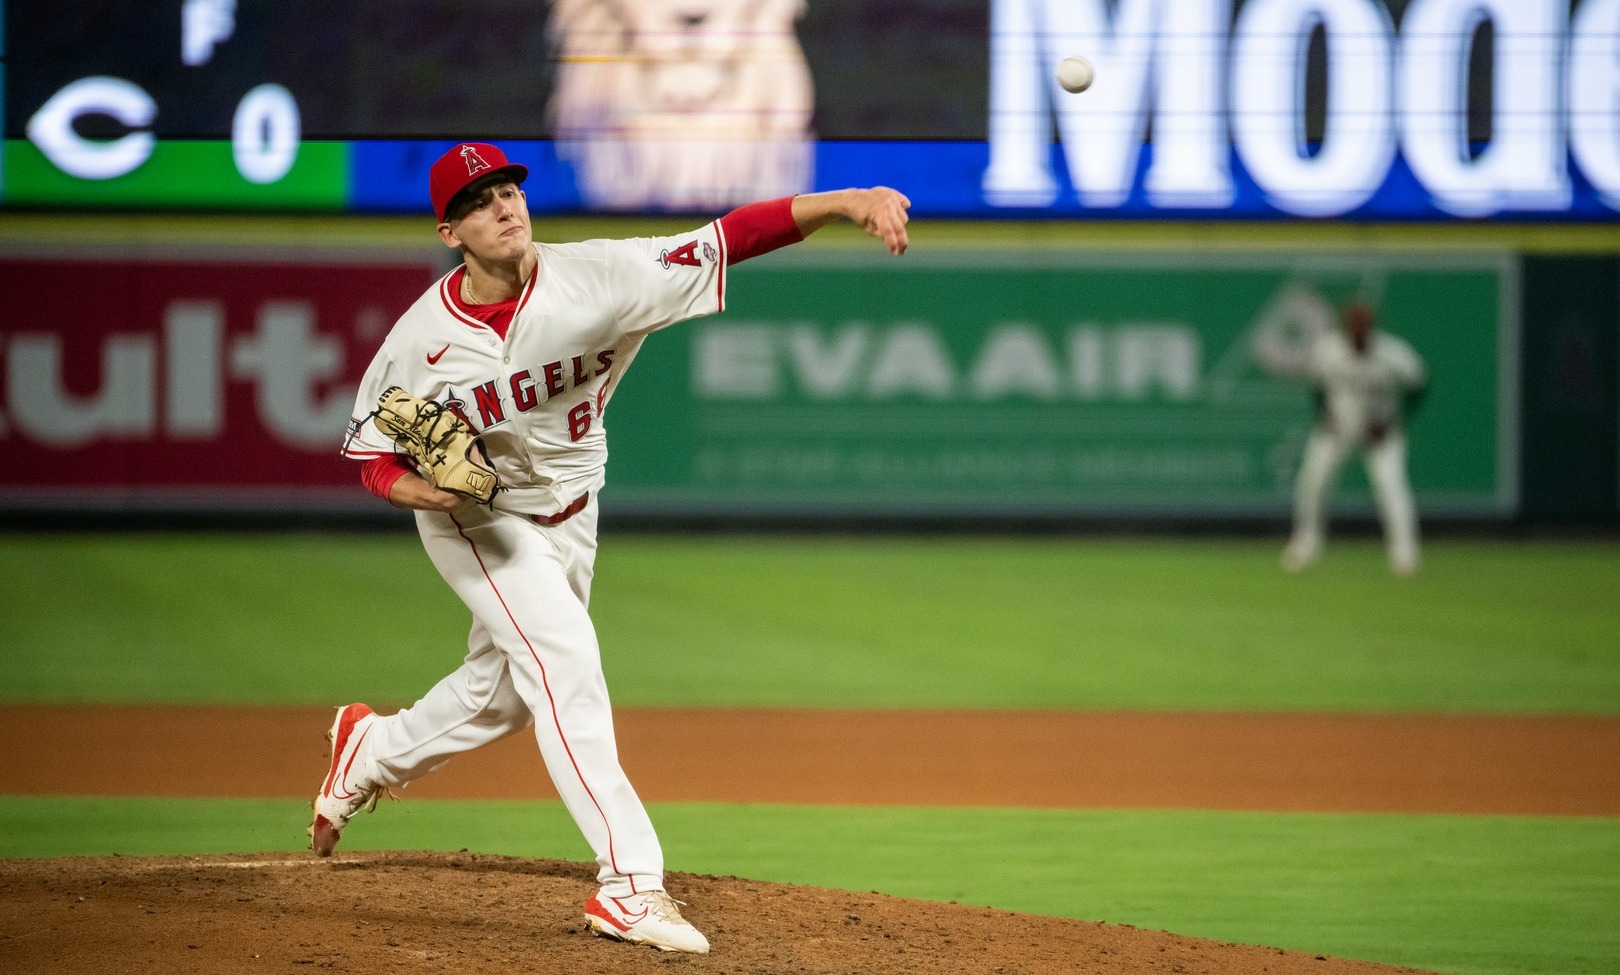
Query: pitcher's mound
[468,913]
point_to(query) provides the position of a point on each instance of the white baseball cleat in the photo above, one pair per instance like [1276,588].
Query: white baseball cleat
[347,788]
[1299,556]
[651,918]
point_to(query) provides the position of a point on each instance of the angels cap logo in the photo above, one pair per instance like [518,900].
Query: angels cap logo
[464,164]
[475,162]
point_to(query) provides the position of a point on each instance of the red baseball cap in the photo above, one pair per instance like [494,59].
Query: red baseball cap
[465,164]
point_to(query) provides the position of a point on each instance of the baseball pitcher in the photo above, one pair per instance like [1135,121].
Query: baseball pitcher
[483,411]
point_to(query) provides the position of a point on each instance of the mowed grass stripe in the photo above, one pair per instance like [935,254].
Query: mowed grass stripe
[890,622]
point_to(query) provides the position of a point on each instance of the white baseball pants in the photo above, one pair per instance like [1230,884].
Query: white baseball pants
[532,658]
[1325,452]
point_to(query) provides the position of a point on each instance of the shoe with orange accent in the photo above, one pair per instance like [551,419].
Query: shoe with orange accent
[651,918]
[347,788]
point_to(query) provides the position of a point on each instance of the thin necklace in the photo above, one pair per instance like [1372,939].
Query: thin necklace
[471,298]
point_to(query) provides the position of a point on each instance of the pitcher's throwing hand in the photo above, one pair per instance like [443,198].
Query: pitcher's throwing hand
[879,211]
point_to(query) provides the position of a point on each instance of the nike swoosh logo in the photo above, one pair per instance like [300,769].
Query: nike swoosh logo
[434,357]
[338,786]
[596,908]
[629,918]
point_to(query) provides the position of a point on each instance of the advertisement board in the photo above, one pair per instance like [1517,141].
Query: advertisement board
[1002,384]
[1438,110]
[965,383]
[189,381]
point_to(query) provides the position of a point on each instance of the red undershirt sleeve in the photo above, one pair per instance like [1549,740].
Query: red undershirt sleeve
[759,228]
[379,473]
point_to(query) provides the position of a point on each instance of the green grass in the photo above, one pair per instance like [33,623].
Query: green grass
[897,622]
[1475,895]
[886,622]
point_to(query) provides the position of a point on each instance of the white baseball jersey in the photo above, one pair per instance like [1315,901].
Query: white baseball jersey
[537,397]
[1363,390]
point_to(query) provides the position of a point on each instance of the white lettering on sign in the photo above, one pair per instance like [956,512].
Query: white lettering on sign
[1149,357]
[1172,49]
[1268,94]
[1182,70]
[1593,94]
[193,333]
[911,360]
[265,130]
[203,25]
[287,359]
[1523,167]
[264,134]
[1017,360]
[860,362]
[180,394]
[123,408]
[735,361]
[827,369]
[51,128]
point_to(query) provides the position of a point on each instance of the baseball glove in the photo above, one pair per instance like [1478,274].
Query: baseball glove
[443,447]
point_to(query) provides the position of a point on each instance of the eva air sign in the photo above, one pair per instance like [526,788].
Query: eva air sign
[1222,88]
[1046,382]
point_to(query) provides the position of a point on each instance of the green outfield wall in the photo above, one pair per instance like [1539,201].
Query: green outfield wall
[1571,402]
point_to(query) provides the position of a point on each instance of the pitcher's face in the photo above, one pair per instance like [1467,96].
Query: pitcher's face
[494,227]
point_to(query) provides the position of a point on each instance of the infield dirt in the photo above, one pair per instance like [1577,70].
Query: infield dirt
[464,912]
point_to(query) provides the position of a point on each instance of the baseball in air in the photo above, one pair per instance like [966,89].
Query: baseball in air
[1075,74]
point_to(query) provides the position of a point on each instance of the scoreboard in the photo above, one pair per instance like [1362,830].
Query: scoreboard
[1436,110]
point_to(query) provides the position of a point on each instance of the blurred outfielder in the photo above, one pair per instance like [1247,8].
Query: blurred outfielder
[1366,379]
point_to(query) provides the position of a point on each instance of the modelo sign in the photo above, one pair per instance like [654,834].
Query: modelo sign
[1226,98]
